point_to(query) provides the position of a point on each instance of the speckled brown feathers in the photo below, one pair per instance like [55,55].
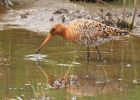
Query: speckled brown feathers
[90,32]
[85,32]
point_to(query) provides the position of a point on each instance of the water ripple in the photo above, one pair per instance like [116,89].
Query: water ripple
[36,57]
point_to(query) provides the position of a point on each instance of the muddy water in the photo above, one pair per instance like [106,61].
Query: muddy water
[24,75]
[39,16]
[27,76]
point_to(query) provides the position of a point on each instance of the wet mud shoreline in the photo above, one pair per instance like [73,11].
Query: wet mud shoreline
[53,74]
[40,18]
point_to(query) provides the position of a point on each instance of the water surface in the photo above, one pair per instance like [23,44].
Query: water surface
[21,73]
[25,75]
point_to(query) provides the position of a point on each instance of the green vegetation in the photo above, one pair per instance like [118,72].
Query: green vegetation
[22,76]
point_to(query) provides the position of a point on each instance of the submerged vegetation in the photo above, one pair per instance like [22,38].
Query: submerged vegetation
[61,72]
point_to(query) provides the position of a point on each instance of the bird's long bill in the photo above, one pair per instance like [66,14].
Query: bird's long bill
[49,37]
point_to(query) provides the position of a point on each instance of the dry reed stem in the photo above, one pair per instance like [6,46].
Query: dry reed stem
[135,10]
[124,3]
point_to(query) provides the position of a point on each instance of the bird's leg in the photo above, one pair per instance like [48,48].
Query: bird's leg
[88,54]
[99,54]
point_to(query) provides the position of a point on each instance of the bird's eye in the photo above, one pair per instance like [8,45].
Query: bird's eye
[52,31]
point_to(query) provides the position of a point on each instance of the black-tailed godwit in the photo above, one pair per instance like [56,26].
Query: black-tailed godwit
[85,32]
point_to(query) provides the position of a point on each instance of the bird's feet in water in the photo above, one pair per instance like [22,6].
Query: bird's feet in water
[101,59]
[88,58]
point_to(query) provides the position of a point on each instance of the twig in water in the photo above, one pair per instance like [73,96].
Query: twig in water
[122,64]
[49,81]
[9,52]
[35,93]
[70,68]
[105,74]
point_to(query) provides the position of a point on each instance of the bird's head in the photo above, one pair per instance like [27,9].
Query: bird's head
[58,29]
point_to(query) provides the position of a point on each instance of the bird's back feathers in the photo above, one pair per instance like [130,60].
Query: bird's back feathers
[90,32]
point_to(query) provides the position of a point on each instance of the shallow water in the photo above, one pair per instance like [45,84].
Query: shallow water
[27,76]
[22,72]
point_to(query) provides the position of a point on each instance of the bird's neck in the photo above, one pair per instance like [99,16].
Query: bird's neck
[68,35]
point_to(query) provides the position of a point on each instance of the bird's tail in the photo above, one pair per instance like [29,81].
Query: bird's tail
[124,33]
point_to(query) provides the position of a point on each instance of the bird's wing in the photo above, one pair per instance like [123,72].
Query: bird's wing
[90,32]
[83,27]
[93,28]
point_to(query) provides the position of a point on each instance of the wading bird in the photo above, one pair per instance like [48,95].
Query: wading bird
[86,32]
